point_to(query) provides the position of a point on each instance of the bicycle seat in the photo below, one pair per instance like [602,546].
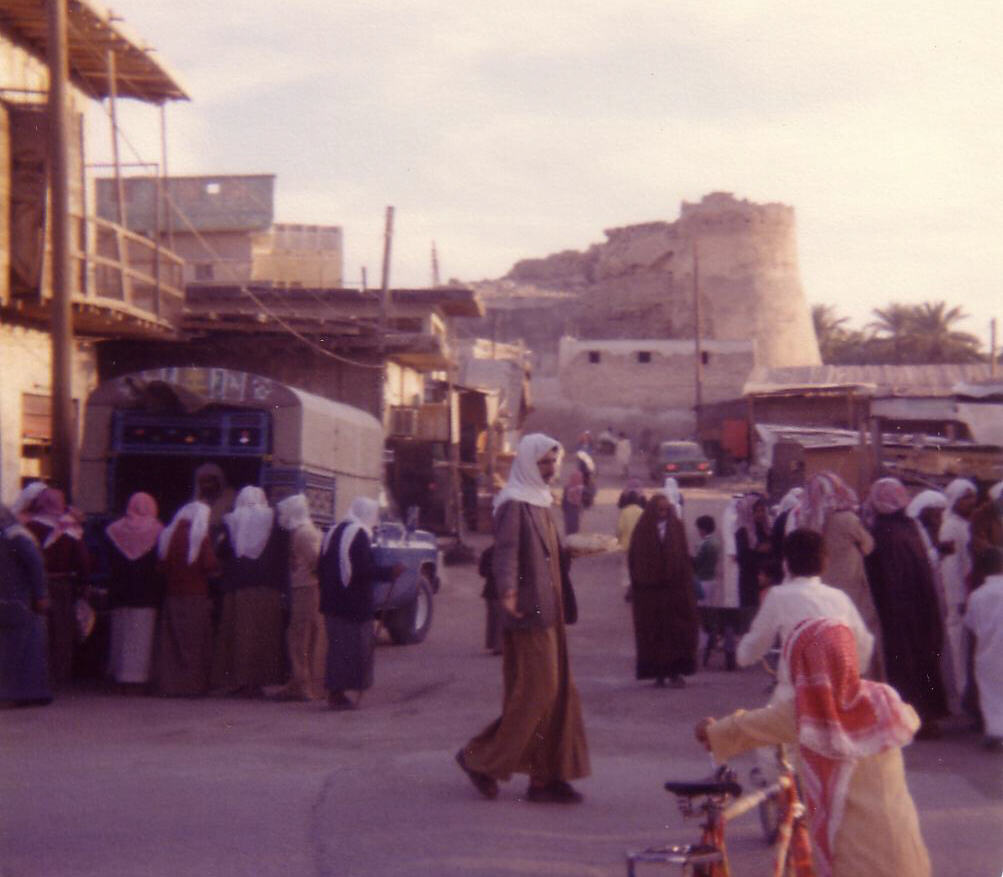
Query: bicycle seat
[712,786]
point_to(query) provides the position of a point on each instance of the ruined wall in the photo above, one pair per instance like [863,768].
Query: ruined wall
[640,282]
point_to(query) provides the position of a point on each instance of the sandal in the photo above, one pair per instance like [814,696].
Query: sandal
[486,785]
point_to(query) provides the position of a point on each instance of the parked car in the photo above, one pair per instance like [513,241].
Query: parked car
[684,461]
[405,605]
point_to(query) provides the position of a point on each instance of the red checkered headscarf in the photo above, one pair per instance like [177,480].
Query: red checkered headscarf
[840,719]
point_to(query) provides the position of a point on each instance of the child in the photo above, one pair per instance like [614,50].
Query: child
[705,561]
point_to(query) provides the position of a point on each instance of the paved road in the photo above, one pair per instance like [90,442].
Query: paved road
[104,785]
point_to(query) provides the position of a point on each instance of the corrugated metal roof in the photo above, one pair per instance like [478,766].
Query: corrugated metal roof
[93,32]
[881,380]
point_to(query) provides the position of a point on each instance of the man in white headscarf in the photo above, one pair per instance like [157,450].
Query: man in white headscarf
[955,569]
[348,574]
[305,640]
[183,646]
[255,557]
[674,495]
[540,731]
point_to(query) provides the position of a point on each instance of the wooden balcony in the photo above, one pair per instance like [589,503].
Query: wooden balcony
[124,285]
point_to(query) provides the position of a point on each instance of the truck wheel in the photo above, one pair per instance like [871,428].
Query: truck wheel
[410,624]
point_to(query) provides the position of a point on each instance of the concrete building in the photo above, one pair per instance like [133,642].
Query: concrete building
[224,227]
[122,285]
[651,374]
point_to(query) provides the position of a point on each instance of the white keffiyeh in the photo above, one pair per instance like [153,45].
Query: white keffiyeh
[250,523]
[363,514]
[197,514]
[525,483]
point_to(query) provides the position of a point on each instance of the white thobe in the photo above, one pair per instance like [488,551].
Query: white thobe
[946,652]
[787,605]
[984,618]
[954,571]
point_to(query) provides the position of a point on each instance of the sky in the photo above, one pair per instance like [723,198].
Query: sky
[504,131]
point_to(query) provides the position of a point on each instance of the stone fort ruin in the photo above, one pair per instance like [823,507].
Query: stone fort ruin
[639,284]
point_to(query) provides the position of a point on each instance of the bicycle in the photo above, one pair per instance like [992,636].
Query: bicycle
[720,800]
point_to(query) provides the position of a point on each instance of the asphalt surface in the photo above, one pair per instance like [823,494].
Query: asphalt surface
[103,784]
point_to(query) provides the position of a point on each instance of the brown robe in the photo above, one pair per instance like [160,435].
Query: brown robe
[67,565]
[183,652]
[540,731]
[664,600]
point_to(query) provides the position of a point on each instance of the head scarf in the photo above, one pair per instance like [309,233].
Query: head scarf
[586,460]
[525,483]
[729,526]
[957,489]
[250,523]
[294,512]
[824,494]
[840,719]
[996,491]
[790,500]
[658,550]
[887,496]
[744,510]
[27,497]
[671,490]
[49,509]
[363,514]
[927,499]
[137,532]
[197,514]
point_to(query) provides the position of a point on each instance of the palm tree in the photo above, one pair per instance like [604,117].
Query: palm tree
[894,322]
[829,330]
[937,340]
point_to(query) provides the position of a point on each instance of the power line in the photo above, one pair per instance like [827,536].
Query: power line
[244,288]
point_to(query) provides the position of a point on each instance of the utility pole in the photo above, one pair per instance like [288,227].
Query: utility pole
[388,236]
[697,352]
[993,350]
[435,267]
[61,327]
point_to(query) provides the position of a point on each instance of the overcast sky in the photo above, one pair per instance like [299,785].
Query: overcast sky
[514,130]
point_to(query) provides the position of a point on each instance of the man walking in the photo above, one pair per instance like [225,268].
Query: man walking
[540,731]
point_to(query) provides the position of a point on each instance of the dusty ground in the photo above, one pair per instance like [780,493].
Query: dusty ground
[99,784]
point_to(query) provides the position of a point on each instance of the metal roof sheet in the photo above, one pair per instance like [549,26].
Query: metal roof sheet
[93,32]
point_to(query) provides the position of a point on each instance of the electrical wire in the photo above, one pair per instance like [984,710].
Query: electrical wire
[244,288]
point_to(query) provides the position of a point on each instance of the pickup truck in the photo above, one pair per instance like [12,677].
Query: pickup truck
[404,606]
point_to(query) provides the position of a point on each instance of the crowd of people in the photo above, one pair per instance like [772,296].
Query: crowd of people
[901,571]
[884,616]
[233,597]
[866,605]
